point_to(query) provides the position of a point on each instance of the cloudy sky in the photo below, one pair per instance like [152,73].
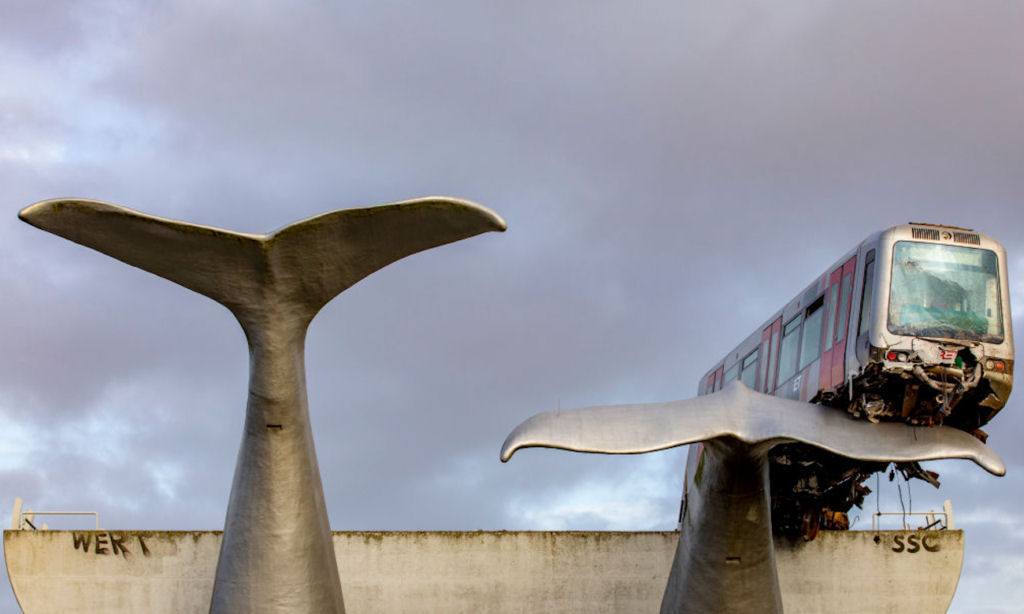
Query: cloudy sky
[670,173]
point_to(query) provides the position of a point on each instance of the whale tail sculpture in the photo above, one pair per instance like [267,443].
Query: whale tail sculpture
[276,554]
[295,270]
[725,560]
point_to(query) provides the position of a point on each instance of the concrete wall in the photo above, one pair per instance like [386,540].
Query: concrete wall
[871,571]
[478,571]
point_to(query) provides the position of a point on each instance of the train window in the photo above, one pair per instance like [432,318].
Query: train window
[867,294]
[833,301]
[790,348]
[765,359]
[749,374]
[945,291]
[773,359]
[810,348]
[732,373]
[844,306]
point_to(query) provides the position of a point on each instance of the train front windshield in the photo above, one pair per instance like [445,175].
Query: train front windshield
[945,291]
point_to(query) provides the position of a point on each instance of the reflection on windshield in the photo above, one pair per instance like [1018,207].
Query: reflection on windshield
[945,291]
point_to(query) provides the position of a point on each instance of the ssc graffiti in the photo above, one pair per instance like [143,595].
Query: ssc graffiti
[914,543]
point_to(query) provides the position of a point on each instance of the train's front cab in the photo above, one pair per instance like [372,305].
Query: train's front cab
[938,347]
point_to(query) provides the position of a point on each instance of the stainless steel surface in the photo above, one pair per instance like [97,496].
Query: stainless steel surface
[749,416]
[276,554]
[725,559]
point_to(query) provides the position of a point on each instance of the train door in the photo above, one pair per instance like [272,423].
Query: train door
[833,356]
[769,355]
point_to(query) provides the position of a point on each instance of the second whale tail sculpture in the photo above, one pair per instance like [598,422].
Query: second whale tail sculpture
[276,554]
[725,559]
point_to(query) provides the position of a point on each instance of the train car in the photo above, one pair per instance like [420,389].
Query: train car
[913,324]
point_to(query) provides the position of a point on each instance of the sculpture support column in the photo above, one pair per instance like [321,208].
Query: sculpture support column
[276,524]
[725,559]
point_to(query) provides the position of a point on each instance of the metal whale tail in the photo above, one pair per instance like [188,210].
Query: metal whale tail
[746,415]
[300,267]
[725,557]
[276,554]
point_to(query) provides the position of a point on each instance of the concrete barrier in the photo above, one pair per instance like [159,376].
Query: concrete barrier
[871,572]
[172,572]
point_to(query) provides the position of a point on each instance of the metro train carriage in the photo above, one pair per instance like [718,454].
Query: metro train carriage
[912,325]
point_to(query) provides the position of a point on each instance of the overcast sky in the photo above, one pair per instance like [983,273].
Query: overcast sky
[671,173]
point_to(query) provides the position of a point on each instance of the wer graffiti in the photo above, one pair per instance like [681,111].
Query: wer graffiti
[107,543]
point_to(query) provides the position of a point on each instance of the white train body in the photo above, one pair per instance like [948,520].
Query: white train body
[913,324]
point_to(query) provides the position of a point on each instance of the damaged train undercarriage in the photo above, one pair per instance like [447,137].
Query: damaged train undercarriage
[813,489]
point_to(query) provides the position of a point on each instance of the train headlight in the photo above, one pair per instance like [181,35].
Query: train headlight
[995,365]
[896,356]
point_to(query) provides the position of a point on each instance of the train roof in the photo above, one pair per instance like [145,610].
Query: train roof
[939,233]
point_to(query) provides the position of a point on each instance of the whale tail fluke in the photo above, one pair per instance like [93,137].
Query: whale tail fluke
[300,267]
[751,417]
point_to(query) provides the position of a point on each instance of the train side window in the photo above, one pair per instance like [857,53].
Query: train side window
[867,294]
[833,302]
[773,359]
[790,349]
[749,373]
[844,305]
[765,360]
[810,348]
[732,373]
